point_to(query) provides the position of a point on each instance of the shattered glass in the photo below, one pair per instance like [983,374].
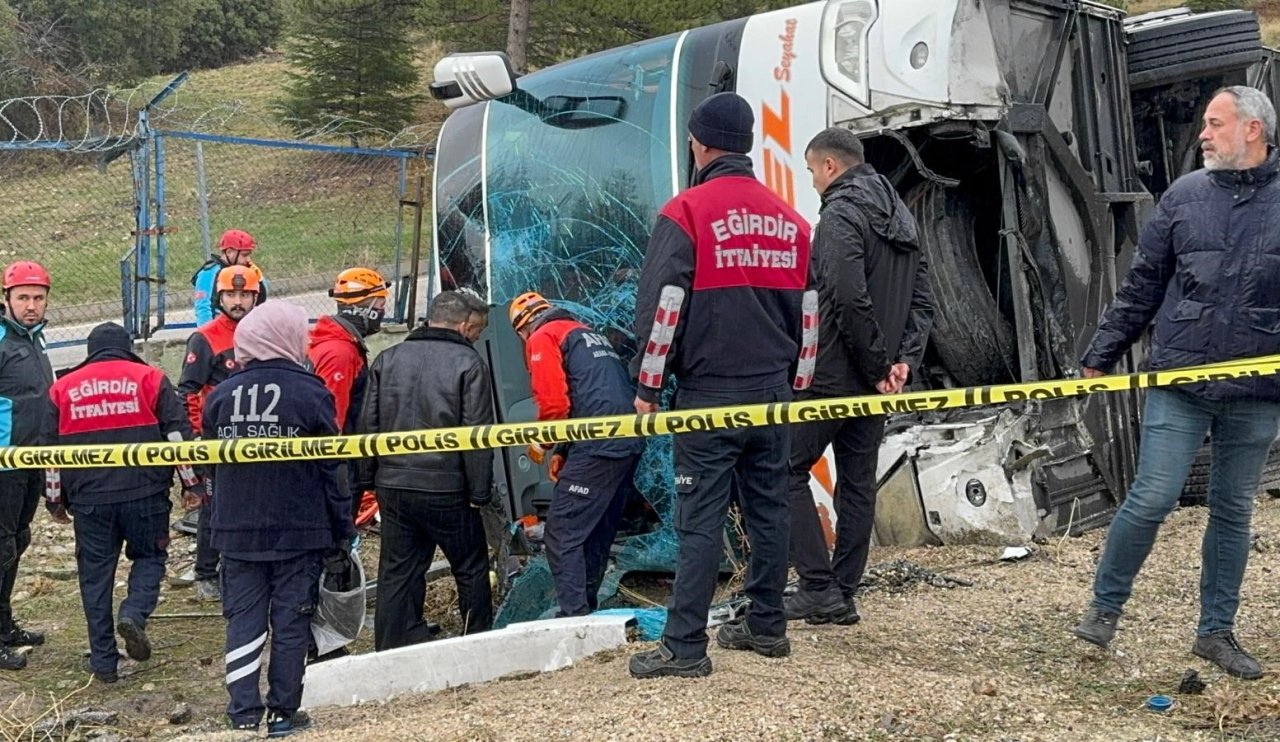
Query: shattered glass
[565,178]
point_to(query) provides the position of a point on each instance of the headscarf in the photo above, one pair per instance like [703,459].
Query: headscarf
[276,329]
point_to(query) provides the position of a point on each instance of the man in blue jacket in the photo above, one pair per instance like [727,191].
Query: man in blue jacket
[1207,271]
[273,522]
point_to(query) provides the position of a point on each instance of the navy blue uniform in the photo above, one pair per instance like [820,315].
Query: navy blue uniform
[575,372]
[272,522]
[116,398]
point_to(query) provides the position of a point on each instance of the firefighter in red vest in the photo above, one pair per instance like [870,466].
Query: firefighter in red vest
[210,359]
[114,397]
[726,304]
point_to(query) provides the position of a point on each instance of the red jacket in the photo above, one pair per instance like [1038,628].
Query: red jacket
[341,360]
[210,359]
[575,372]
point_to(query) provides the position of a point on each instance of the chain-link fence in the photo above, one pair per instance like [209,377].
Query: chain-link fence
[75,215]
[313,210]
[123,198]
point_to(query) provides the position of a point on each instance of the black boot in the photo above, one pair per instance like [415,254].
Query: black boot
[11,660]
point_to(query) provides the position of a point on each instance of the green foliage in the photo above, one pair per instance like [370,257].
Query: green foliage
[224,31]
[355,62]
[117,41]
[563,29]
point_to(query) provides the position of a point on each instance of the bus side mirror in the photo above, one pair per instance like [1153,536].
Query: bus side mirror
[465,79]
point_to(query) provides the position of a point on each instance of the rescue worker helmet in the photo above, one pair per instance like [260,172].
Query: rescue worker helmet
[237,239]
[238,278]
[26,273]
[525,307]
[354,285]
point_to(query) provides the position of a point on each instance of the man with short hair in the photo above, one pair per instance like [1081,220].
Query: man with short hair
[1205,272]
[115,398]
[575,372]
[725,304]
[25,378]
[876,309]
[210,359]
[433,379]
[235,247]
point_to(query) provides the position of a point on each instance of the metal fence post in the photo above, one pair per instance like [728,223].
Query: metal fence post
[402,186]
[161,244]
[142,243]
[202,199]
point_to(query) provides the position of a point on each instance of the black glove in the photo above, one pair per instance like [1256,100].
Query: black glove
[336,560]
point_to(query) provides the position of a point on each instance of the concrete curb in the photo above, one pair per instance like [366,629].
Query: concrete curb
[535,646]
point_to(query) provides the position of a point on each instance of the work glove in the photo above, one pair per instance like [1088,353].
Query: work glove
[557,463]
[537,453]
[194,495]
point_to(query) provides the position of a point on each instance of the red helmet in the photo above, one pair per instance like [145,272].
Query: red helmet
[236,239]
[26,273]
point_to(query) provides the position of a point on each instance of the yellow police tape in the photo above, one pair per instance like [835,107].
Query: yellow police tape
[245,450]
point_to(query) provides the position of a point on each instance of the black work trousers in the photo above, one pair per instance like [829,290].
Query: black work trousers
[708,465]
[141,527]
[857,448]
[20,491]
[413,525]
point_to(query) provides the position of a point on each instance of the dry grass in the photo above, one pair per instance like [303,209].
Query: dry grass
[988,662]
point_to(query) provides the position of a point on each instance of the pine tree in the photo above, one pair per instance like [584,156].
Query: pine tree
[355,67]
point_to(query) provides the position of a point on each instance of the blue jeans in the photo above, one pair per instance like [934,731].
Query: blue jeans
[1174,425]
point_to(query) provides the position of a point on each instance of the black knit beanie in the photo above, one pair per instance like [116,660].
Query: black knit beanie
[724,121]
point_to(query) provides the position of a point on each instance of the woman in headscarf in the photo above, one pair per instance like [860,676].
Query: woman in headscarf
[274,521]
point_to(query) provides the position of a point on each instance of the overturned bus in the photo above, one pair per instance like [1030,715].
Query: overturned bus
[1030,139]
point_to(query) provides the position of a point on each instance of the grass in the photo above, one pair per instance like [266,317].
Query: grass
[312,213]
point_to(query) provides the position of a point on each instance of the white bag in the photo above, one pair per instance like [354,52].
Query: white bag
[340,611]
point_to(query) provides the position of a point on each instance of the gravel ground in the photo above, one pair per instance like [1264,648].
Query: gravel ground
[991,661]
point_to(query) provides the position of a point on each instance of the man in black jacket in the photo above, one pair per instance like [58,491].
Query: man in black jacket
[1207,273]
[25,378]
[434,379]
[114,397]
[725,305]
[273,522]
[876,313]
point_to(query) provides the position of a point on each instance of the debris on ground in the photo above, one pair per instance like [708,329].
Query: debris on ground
[1191,683]
[60,726]
[1014,553]
[900,574]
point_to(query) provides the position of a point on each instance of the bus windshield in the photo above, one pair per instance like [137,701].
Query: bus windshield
[555,187]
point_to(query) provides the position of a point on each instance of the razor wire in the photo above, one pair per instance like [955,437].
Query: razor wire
[82,194]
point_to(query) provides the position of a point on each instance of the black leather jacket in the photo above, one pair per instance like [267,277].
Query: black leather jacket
[875,306]
[434,379]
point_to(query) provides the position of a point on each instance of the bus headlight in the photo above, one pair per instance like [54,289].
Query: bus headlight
[845,27]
